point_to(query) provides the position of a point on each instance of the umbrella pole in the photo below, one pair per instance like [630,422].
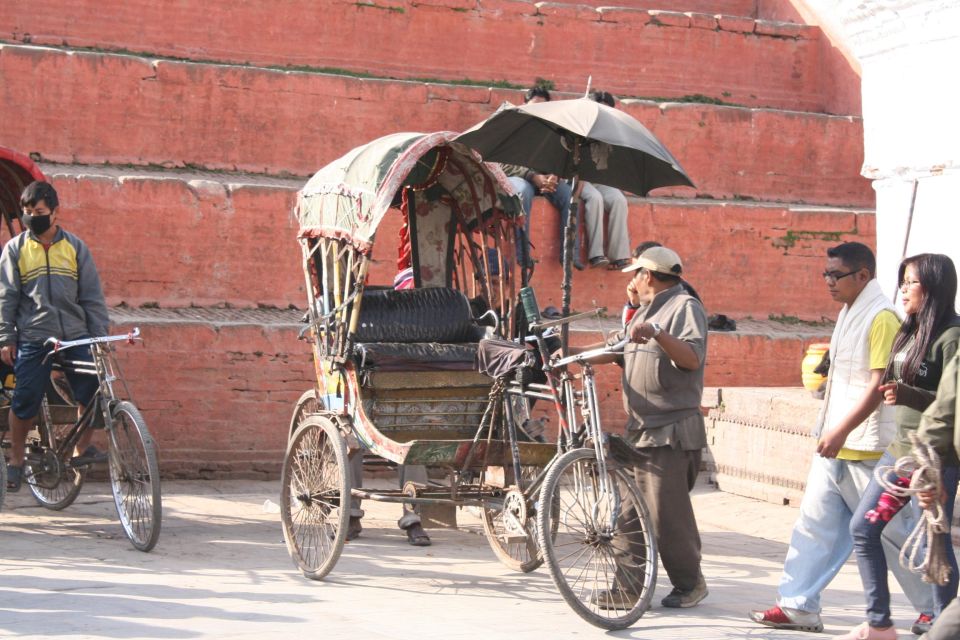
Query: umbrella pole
[569,240]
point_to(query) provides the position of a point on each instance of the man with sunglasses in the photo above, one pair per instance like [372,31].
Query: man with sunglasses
[853,430]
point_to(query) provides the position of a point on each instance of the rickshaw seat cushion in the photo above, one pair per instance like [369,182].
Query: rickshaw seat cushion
[435,314]
[417,356]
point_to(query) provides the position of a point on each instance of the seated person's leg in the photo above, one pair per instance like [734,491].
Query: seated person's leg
[618,236]
[84,387]
[410,520]
[561,200]
[593,223]
[32,374]
[525,190]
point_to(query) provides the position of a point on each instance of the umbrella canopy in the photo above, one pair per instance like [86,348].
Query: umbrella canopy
[581,138]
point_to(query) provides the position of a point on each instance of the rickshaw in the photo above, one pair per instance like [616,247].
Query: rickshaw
[440,369]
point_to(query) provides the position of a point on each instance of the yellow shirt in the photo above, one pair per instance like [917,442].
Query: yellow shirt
[882,332]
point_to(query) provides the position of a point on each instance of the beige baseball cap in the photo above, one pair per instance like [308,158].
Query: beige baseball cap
[658,259]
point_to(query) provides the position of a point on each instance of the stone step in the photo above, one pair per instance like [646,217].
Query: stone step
[628,50]
[759,442]
[217,386]
[133,110]
[230,239]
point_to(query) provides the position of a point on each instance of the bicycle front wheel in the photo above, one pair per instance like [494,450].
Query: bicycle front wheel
[54,485]
[3,480]
[603,556]
[135,476]
[315,496]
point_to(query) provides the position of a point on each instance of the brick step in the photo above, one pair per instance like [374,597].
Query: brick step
[628,51]
[217,238]
[217,387]
[132,110]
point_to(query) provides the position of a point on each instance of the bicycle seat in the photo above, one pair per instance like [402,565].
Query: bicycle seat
[497,357]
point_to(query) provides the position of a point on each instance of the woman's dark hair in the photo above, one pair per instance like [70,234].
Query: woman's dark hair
[536,92]
[40,191]
[938,279]
[663,277]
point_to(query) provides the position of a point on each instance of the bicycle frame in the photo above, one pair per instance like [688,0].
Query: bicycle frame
[107,369]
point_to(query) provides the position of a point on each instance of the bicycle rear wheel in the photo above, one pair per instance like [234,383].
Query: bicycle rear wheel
[134,476]
[603,557]
[53,484]
[315,496]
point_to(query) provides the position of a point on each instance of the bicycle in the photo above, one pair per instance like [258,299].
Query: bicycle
[48,471]
[591,524]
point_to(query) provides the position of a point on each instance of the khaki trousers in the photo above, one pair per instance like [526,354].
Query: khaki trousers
[665,477]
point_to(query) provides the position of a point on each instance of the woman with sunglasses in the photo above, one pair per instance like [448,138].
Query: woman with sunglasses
[926,342]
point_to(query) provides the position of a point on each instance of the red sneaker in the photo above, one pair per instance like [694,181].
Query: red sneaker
[922,624]
[788,619]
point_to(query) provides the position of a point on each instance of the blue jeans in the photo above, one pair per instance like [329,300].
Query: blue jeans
[559,199]
[870,558]
[820,543]
[32,373]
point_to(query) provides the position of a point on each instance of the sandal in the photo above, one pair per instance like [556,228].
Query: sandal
[14,478]
[417,537]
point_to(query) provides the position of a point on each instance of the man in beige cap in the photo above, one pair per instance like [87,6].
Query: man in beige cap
[662,389]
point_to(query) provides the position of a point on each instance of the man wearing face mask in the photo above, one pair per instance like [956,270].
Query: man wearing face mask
[49,287]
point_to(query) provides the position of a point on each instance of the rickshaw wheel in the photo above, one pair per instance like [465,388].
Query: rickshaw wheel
[308,404]
[315,496]
[517,550]
[603,557]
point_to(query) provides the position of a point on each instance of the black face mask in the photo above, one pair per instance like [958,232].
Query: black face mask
[37,224]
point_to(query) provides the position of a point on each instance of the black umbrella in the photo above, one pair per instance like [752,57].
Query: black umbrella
[580,139]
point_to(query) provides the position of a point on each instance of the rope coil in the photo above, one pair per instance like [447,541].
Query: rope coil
[920,552]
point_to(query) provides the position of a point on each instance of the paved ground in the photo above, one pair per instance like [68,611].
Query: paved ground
[221,570]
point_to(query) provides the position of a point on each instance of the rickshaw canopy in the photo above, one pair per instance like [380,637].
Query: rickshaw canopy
[349,197]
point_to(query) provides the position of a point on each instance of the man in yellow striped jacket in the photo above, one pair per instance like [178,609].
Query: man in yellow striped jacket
[49,287]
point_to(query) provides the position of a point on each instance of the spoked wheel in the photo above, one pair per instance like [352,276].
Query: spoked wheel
[315,496]
[135,476]
[53,484]
[307,405]
[603,557]
[511,531]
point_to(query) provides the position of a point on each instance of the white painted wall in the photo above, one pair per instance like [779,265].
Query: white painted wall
[909,55]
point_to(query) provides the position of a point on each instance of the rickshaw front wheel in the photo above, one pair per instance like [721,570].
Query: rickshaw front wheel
[315,496]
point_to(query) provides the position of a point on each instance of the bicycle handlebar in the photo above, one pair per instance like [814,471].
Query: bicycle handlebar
[546,324]
[60,345]
[614,349]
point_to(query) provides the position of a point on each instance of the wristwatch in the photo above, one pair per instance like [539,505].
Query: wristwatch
[657,329]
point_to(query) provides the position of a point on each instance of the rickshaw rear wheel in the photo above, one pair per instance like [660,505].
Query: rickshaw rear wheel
[603,557]
[307,405]
[315,496]
[517,550]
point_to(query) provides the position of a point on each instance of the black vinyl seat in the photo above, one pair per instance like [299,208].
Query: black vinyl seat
[430,329]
